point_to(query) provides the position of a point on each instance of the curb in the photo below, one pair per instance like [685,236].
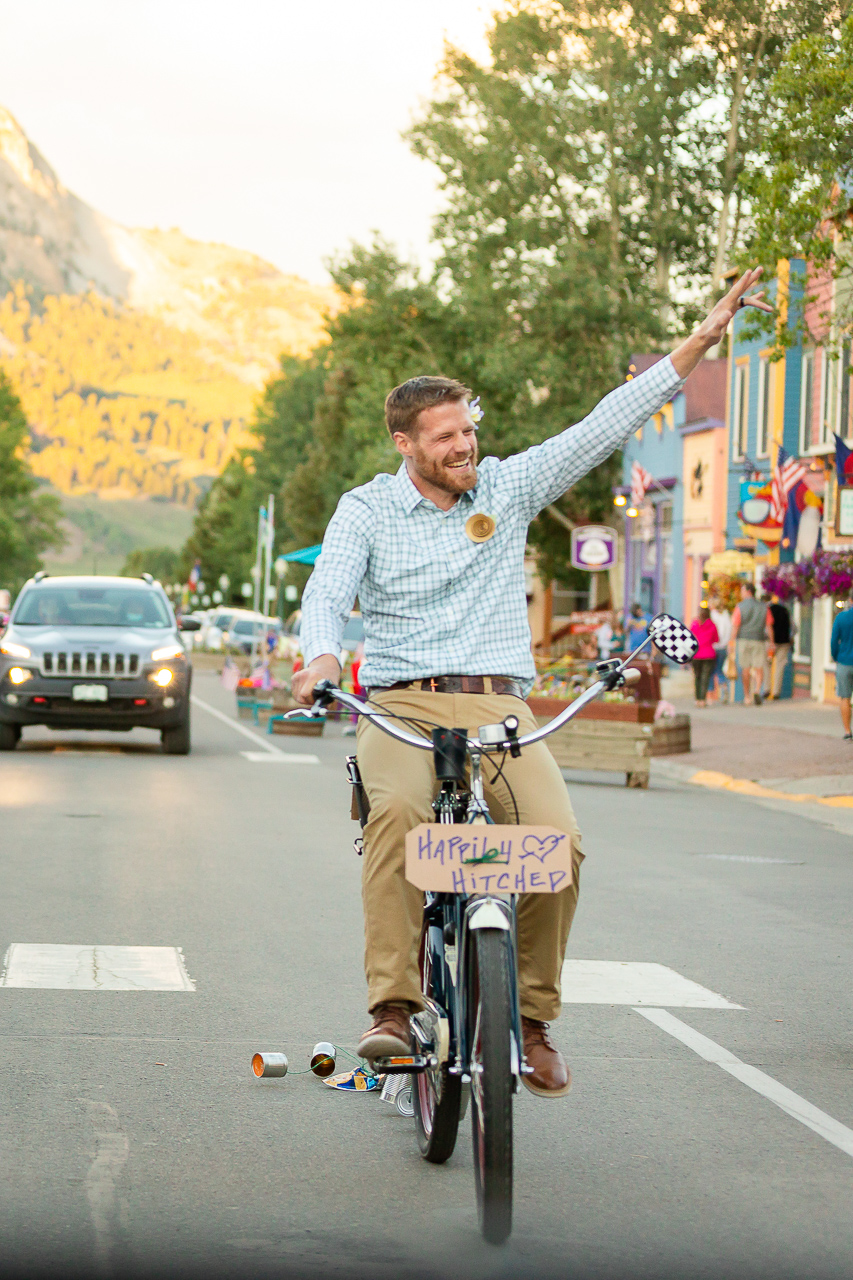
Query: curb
[743,786]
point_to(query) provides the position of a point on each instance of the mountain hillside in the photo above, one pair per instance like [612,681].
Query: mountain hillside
[137,354]
[245,311]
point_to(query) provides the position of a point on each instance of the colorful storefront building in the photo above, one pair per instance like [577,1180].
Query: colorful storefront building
[680,457]
[796,403]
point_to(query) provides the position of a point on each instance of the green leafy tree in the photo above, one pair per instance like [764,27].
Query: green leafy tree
[748,40]
[161,562]
[225,528]
[802,188]
[29,520]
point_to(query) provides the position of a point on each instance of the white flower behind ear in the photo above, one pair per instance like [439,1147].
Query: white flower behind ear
[475,411]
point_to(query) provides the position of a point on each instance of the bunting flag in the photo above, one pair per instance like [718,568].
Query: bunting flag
[787,473]
[641,481]
[843,461]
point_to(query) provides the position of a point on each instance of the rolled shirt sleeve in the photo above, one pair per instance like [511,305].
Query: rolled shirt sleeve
[333,586]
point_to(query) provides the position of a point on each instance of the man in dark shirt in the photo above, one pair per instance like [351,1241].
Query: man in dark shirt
[841,648]
[774,668]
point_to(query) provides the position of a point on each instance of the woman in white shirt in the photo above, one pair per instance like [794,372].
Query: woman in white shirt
[722,620]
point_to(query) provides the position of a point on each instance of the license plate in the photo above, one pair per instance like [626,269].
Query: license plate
[90,693]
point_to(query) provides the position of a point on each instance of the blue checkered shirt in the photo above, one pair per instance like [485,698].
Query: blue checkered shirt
[434,602]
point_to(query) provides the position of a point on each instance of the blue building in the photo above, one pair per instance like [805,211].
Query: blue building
[681,519]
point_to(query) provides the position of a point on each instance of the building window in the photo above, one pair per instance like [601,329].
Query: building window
[740,410]
[806,397]
[844,397]
[828,397]
[765,405]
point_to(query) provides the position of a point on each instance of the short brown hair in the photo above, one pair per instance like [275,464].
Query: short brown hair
[404,403]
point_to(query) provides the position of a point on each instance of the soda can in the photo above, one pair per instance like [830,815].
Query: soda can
[323,1059]
[269,1065]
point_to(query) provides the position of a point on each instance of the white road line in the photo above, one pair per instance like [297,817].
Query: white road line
[94,967]
[264,757]
[833,1131]
[635,982]
[270,751]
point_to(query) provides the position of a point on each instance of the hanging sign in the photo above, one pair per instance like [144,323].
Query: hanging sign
[594,547]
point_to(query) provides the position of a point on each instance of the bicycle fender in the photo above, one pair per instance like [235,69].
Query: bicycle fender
[488,916]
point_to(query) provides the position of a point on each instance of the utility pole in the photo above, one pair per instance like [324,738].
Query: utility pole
[268,544]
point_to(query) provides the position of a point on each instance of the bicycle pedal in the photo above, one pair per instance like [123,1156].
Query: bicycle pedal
[403,1066]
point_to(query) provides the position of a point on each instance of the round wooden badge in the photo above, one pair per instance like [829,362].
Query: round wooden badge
[480,528]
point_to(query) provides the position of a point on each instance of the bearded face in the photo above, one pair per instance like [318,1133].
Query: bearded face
[442,453]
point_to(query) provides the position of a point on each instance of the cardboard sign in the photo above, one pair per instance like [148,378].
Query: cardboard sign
[451,858]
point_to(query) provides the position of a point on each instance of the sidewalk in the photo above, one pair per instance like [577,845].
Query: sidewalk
[787,755]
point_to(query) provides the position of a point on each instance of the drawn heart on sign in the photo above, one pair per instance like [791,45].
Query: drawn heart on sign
[539,847]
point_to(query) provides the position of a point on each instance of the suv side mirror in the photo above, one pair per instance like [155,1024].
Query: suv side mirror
[189,624]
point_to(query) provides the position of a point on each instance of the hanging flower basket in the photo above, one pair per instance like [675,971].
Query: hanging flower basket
[826,573]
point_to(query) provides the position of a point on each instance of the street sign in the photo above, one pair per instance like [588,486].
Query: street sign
[594,547]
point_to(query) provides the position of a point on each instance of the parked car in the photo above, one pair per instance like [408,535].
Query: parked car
[251,630]
[95,653]
[353,633]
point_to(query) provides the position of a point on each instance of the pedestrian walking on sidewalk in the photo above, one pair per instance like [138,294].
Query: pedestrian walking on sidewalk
[722,620]
[841,648]
[752,635]
[705,660]
[774,667]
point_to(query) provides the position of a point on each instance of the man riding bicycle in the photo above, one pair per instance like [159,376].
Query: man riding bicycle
[435,556]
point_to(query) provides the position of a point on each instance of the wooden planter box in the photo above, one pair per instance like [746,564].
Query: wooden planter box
[613,737]
[671,737]
[296,728]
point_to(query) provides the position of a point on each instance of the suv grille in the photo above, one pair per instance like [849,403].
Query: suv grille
[64,663]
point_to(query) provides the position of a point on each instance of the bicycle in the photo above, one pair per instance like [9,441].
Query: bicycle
[469,1032]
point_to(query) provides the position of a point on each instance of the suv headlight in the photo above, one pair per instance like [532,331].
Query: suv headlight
[19,674]
[15,650]
[168,651]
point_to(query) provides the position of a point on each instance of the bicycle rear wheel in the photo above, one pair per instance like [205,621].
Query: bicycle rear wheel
[436,1095]
[489,1038]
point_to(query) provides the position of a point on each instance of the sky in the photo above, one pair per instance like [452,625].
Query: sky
[270,125]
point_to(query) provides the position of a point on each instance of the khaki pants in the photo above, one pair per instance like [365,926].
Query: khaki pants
[400,784]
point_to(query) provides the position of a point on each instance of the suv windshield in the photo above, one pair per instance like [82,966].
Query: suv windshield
[56,606]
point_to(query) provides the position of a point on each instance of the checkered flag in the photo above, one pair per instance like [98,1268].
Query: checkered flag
[674,640]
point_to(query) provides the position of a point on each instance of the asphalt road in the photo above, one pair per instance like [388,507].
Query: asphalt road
[660,1163]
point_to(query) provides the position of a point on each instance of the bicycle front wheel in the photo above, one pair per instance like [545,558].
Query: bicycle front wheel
[489,1039]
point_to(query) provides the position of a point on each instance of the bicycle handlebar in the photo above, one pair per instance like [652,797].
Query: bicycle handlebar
[325,693]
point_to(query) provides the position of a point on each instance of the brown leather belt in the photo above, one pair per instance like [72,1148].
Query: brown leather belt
[458,684]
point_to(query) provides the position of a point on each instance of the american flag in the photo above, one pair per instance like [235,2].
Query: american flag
[787,473]
[641,481]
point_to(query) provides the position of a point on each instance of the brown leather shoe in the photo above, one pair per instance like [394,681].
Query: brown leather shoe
[389,1037]
[551,1077]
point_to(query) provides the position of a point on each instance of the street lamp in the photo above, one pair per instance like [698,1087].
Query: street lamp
[246,590]
[224,582]
[217,597]
[632,513]
[620,500]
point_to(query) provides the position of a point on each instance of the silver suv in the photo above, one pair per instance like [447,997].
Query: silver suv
[95,653]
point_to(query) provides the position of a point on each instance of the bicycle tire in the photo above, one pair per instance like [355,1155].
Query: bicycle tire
[436,1095]
[489,1039]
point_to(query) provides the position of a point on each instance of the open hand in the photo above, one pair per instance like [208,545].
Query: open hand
[686,356]
[717,321]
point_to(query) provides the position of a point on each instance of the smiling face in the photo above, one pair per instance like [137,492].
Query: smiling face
[442,451]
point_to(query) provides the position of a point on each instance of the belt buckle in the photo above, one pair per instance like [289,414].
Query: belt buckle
[432,685]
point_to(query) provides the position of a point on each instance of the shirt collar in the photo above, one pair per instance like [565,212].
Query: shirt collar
[410,496]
